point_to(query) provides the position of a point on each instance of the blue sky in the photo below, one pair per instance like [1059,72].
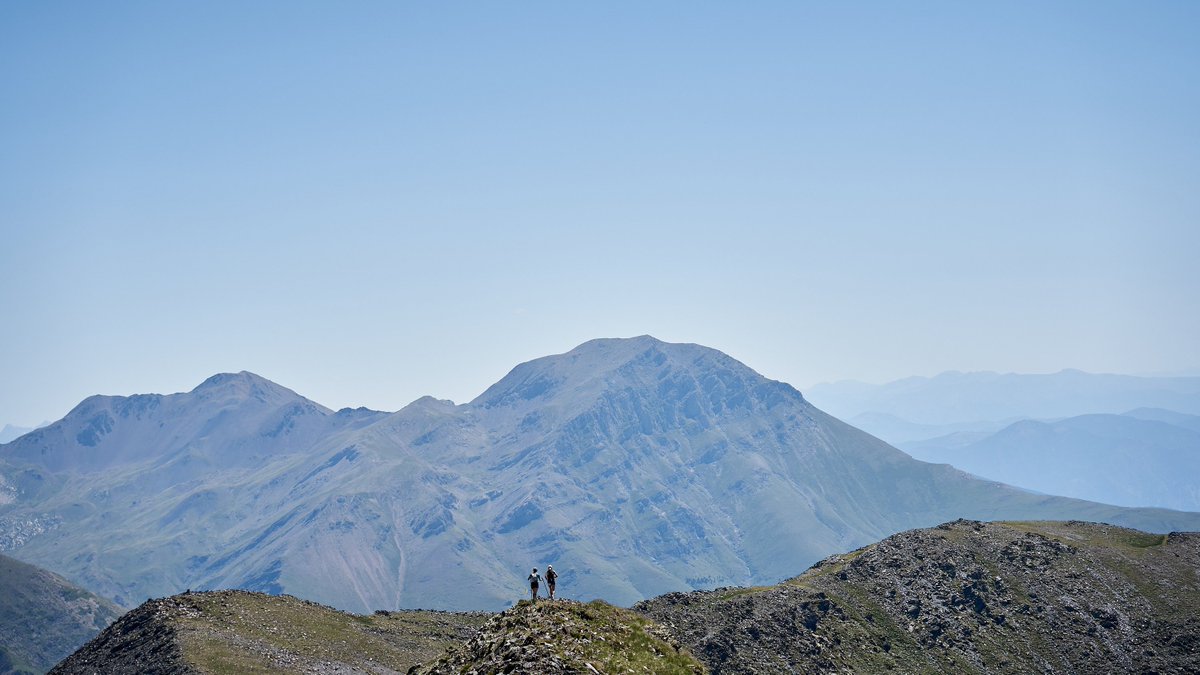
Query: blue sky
[369,202]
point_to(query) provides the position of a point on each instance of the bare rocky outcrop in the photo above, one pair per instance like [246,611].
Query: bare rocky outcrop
[563,637]
[144,640]
[963,597]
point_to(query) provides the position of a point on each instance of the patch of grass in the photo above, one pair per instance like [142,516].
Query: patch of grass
[628,645]
[625,644]
[233,631]
[730,593]
[1145,539]
[1091,535]
[212,654]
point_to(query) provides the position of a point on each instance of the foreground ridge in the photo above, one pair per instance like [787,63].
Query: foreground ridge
[240,631]
[964,597]
[557,637]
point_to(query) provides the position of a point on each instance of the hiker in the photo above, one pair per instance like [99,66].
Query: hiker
[534,580]
[551,577]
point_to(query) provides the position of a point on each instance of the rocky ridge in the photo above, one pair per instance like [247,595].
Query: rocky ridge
[964,597]
[561,637]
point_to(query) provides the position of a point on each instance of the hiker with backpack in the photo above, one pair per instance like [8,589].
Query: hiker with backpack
[534,580]
[551,577]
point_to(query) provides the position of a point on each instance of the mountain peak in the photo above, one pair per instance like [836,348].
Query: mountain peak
[240,378]
[635,342]
[605,363]
[243,385]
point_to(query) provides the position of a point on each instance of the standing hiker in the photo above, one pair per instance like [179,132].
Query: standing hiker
[534,580]
[551,577]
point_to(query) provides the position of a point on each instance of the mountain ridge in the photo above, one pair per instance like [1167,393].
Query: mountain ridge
[956,398]
[1118,459]
[963,597]
[636,466]
[44,617]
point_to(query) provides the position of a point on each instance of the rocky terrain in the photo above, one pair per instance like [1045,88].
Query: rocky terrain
[563,637]
[964,597]
[44,617]
[242,632]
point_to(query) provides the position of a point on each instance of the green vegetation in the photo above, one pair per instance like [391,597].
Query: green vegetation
[214,654]
[244,632]
[727,593]
[233,631]
[624,642]
[1090,534]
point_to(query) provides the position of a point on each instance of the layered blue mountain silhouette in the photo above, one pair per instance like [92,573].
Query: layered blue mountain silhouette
[1136,459]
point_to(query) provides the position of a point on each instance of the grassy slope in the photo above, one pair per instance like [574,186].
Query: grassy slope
[244,632]
[44,617]
[232,631]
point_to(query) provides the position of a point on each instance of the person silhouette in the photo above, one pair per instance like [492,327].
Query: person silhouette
[534,580]
[551,577]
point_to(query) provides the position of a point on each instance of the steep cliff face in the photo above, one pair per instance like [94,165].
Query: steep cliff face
[963,597]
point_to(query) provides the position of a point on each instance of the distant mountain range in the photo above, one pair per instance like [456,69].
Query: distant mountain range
[11,432]
[43,617]
[1132,459]
[970,400]
[635,466]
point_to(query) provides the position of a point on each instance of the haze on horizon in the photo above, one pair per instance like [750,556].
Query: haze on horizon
[374,203]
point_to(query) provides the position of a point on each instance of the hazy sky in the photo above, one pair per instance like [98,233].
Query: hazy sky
[372,202]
